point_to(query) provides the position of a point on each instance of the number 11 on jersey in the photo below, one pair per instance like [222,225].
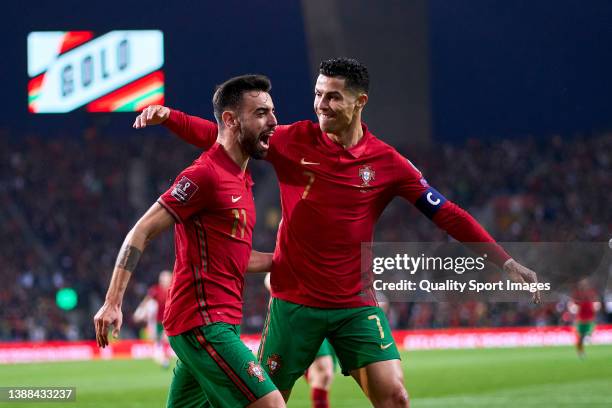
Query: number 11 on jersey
[236,212]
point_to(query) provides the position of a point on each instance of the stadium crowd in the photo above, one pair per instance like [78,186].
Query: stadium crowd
[67,202]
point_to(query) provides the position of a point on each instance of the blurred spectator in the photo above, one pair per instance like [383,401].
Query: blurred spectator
[66,204]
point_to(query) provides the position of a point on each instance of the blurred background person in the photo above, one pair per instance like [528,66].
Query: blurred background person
[151,312]
[584,306]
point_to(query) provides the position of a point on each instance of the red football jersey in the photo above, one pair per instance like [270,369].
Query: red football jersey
[159,294]
[212,202]
[585,300]
[331,199]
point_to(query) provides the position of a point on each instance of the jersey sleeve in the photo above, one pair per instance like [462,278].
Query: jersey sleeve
[448,216]
[190,193]
[278,141]
[410,183]
[192,129]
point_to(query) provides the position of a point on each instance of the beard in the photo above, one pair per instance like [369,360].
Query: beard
[254,144]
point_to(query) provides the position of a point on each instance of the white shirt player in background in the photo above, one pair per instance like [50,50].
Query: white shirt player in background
[151,311]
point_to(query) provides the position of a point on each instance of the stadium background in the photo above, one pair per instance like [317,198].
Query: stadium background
[504,107]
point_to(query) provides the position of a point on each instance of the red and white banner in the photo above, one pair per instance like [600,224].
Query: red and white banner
[495,337]
[28,352]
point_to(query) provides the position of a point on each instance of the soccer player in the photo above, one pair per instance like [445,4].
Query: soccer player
[320,374]
[211,207]
[156,296]
[584,305]
[335,179]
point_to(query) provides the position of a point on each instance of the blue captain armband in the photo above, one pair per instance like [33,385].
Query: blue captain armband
[430,202]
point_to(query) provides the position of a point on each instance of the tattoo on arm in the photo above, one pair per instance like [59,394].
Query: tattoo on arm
[128,257]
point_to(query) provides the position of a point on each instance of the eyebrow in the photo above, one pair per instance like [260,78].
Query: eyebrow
[330,92]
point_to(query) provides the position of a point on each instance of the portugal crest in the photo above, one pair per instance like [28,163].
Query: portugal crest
[255,370]
[274,363]
[367,175]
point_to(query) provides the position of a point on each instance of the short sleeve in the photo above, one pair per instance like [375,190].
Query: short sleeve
[191,191]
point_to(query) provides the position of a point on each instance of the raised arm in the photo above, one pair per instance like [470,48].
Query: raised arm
[152,223]
[192,129]
[457,222]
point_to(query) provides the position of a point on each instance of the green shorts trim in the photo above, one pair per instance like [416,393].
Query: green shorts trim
[293,335]
[215,366]
[585,328]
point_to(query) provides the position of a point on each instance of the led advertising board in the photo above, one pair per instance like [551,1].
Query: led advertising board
[119,71]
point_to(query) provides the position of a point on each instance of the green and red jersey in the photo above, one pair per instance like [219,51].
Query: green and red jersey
[212,203]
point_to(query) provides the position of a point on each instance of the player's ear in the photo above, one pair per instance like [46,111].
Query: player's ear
[229,119]
[362,99]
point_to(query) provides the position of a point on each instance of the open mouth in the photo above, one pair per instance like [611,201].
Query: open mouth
[264,140]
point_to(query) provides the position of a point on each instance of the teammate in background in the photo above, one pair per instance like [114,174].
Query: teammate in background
[320,374]
[211,207]
[335,180]
[151,312]
[584,305]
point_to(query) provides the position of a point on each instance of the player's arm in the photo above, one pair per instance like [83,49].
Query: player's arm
[457,222]
[259,262]
[152,223]
[192,129]
[464,228]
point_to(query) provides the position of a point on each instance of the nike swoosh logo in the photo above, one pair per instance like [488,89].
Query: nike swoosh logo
[306,163]
[386,346]
[235,199]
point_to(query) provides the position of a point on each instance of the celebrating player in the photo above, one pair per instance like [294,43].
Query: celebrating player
[336,178]
[211,203]
[320,374]
[151,311]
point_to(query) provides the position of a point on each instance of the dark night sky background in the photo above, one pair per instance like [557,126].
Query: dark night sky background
[497,68]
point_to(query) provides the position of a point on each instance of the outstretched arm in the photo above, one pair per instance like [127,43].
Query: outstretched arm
[464,228]
[192,129]
[152,223]
[457,222]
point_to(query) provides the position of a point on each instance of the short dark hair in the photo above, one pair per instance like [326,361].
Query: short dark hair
[353,71]
[229,93]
